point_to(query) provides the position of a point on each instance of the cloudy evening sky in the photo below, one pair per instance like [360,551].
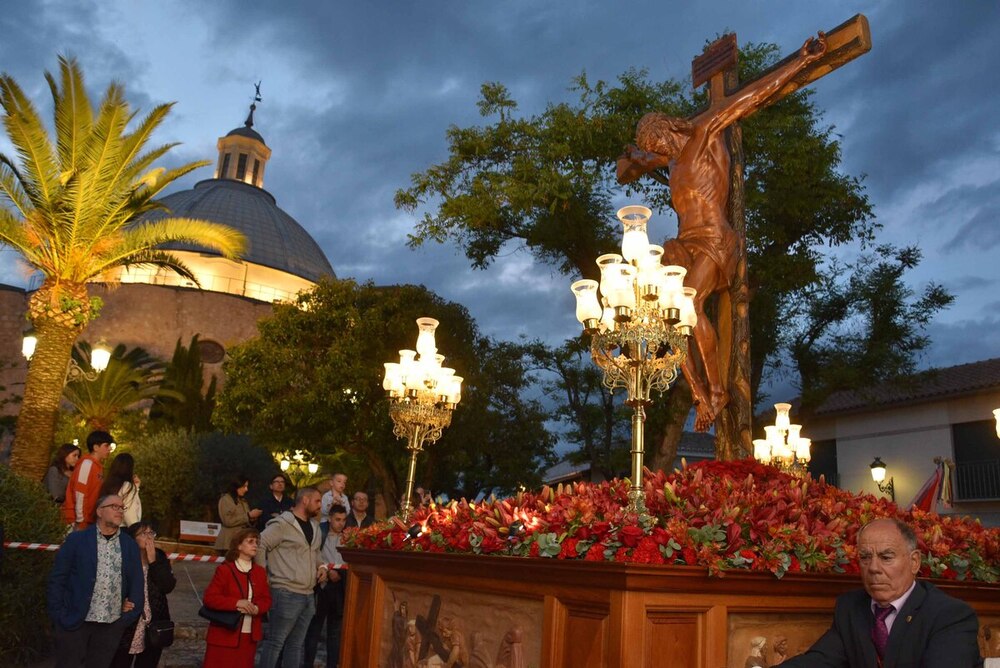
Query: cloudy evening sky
[358,96]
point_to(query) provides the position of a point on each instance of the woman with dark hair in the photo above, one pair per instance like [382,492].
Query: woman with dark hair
[57,477]
[234,512]
[122,481]
[241,585]
[134,649]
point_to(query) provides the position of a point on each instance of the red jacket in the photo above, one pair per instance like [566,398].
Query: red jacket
[82,491]
[222,594]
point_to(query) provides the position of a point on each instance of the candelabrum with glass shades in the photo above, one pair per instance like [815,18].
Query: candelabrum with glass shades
[422,396]
[782,445]
[639,317]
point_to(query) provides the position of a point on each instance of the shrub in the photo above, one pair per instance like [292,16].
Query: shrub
[184,475]
[27,514]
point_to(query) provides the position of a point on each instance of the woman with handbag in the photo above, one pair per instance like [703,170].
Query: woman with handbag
[143,642]
[234,512]
[235,600]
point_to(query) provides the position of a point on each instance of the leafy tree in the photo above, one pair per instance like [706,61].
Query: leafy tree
[132,376]
[592,416]
[312,381]
[547,183]
[71,201]
[192,407]
[862,325]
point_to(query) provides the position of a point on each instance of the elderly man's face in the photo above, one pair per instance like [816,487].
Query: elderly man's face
[360,500]
[888,566]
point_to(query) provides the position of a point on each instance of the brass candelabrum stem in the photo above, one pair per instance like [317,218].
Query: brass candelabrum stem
[650,352]
[420,424]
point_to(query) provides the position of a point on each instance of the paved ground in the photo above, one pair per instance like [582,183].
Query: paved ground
[189,635]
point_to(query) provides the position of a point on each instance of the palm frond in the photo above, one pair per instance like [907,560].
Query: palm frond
[12,232]
[73,112]
[40,173]
[10,184]
[221,238]
[159,258]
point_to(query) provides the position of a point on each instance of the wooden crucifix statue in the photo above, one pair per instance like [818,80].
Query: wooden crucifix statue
[702,156]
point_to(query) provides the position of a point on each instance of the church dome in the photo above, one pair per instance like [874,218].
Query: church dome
[246,132]
[274,239]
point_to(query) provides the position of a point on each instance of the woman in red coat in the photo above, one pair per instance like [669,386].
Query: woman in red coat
[238,584]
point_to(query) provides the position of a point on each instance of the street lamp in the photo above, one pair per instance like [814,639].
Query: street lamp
[100,356]
[639,326]
[996,416]
[782,446]
[296,466]
[878,475]
[422,396]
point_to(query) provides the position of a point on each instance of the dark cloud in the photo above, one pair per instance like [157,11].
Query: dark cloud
[358,96]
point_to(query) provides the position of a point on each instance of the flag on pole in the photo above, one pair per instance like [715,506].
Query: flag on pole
[926,498]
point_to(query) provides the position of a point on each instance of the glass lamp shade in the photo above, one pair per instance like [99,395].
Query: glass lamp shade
[802,449]
[622,289]
[608,319]
[454,393]
[688,316]
[99,357]
[391,376]
[635,241]
[781,415]
[312,467]
[607,263]
[587,306]
[772,435]
[761,450]
[674,277]
[793,433]
[878,470]
[284,463]
[28,344]
[426,346]
[996,415]
[652,256]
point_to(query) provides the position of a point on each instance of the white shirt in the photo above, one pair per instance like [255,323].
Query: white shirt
[328,500]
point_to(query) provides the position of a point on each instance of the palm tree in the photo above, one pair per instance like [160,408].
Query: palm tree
[72,203]
[133,376]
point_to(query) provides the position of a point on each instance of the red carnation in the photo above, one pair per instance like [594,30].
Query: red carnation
[631,535]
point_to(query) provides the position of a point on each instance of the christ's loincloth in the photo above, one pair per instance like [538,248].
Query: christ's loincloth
[719,244]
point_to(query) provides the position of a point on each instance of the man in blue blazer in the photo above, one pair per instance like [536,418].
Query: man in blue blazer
[95,589]
[895,621]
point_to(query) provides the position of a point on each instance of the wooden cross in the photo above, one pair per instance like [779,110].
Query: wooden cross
[717,67]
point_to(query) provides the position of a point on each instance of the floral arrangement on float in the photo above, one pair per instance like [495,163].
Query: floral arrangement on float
[718,515]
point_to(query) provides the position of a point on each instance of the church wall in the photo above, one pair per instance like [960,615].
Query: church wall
[155,316]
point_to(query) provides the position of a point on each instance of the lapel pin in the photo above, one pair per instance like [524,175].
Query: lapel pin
[909,618]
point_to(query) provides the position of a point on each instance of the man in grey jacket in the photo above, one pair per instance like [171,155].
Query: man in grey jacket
[290,549]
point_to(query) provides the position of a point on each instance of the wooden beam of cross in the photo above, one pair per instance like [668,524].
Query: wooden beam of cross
[717,66]
[850,39]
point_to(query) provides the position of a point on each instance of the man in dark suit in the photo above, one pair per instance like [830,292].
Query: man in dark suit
[895,621]
[359,516]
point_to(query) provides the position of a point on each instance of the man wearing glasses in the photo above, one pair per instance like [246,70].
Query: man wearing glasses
[95,589]
[275,502]
[85,483]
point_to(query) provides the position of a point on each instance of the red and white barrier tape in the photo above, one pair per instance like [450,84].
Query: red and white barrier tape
[173,556]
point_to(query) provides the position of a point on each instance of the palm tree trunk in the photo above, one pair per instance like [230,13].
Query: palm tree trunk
[36,422]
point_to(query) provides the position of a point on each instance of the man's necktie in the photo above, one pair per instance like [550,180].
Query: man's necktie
[880,634]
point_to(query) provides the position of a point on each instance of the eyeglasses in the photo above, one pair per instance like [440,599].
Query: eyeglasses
[149,532]
[114,506]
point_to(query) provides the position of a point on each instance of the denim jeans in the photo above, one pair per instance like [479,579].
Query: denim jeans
[288,621]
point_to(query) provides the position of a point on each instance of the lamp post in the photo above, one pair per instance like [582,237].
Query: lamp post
[297,467]
[639,327]
[422,396]
[782,446]
[100,355]
[878,475]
